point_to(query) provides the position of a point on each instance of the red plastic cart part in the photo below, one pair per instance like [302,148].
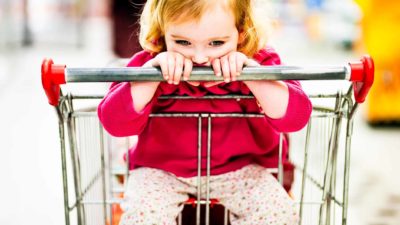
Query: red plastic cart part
[362,76]
[52,77]
[193,202]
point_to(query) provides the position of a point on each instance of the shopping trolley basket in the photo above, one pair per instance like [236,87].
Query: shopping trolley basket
[320,152]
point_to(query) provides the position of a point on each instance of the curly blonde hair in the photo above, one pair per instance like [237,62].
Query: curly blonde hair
[157,14]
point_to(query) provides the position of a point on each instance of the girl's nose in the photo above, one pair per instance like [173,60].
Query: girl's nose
[200,59]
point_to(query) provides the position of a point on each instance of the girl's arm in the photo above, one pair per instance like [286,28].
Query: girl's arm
[284,102]
[273,96]
[117,112]
[143,92]
[122,112]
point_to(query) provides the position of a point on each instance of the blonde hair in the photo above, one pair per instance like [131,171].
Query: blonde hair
[157,14]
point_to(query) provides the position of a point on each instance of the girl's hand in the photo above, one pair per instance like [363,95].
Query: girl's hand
[230,66]
[173,66]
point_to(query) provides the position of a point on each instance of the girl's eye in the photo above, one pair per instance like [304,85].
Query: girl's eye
[182,42]
[217,43]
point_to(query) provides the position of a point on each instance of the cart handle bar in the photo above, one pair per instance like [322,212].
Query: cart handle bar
[361,73]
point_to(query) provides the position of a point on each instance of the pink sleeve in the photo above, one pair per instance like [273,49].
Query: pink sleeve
[116,110]
[299,107]
[298,111]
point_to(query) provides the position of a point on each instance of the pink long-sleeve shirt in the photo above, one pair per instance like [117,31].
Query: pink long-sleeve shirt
[171,144]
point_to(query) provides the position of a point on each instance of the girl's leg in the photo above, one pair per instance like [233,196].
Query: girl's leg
[152,197]
[254,196]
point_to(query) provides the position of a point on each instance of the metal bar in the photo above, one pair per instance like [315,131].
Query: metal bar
[100,202]
[346,175]
[110,187]
[99,96]
[75,161]
[333,192]
[225,216]
[280,159]
[180,218]
[128,162]
[211,115]
[318,185]
[103,169]
[90,184]
[327,114]
[303,179]
[208,171]
[333,148]
[63,165]
[234,115]
[198,171]
[207,74]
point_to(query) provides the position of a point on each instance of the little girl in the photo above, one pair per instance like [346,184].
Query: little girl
[223,34]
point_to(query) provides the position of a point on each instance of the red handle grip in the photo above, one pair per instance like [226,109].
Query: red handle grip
[52,77]
[362,75]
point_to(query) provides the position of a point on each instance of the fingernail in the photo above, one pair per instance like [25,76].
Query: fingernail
[226,80]
[166,77]
[170,82]
[218,74]
[185,78]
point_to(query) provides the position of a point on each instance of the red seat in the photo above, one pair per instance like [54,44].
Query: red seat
[217,215]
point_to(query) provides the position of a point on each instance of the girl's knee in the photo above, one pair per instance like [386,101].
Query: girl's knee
[142,216]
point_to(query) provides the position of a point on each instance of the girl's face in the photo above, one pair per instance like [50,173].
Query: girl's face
[213,36]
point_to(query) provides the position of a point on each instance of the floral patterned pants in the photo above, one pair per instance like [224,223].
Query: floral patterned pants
[251,194]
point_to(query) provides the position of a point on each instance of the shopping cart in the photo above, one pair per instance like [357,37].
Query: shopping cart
[93,176]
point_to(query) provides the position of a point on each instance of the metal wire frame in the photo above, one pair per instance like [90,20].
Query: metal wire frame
[345,108]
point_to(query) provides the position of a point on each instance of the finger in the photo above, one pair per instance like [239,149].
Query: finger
[225,69]
[178,68]
[188,69]
[240,59]
[232,66]
[216,65]
[250,62]
[171,68]
[162,62]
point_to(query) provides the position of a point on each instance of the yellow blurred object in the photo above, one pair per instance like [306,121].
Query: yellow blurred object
[381,36]
[313,25]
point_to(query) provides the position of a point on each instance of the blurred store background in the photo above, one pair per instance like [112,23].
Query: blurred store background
[100,33]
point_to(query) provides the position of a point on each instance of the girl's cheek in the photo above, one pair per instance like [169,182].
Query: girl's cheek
[171,47]
[224,50]
[218,53]
[185,51]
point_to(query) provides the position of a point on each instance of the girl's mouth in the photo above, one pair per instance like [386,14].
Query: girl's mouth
[201,65]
